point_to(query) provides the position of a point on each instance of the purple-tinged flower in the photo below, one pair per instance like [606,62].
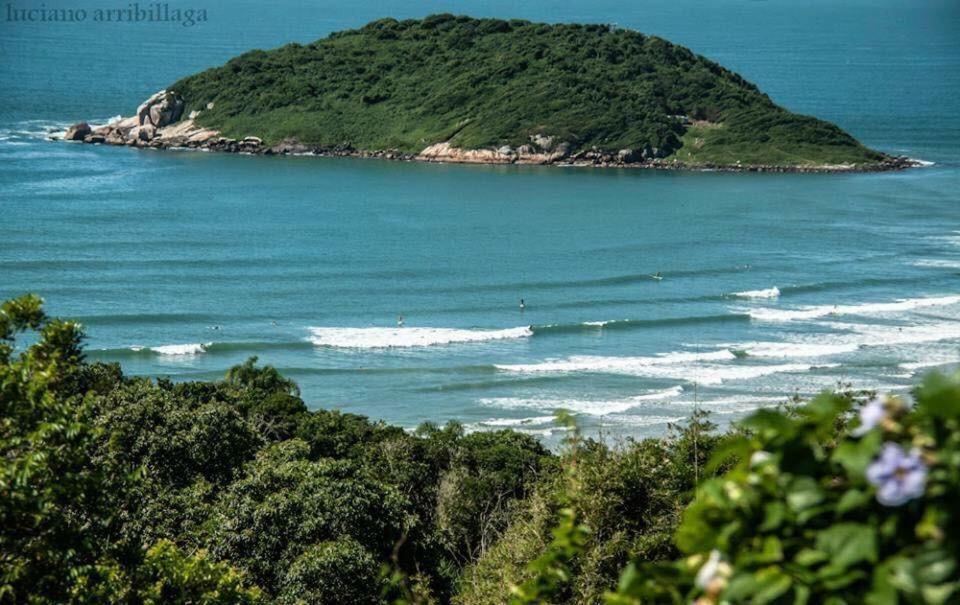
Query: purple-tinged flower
[871,415]
[898,476]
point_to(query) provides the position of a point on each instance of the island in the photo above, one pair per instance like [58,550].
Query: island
[452,88]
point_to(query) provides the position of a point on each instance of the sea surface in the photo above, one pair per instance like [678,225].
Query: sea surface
[182,264]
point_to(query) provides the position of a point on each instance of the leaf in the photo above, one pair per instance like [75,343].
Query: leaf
[773,515]
[937,595]
[855,456]
[803,493]
[882,592]
[734,448]
[934,566]
[809,557]
[742,586]
[770,424]
[851,500]
[939,397]
[824,410]
[772,583]
[848,544]
[771,551]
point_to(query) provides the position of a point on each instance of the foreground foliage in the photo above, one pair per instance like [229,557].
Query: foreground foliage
[484,83]
[127,490]
[813,513]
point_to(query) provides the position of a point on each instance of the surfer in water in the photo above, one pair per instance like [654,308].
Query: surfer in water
[522,305]
[657,276]
[400,321]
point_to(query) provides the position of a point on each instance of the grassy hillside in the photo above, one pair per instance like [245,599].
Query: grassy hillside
[484,83]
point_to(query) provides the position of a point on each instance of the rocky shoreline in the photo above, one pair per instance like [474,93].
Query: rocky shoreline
[160,124]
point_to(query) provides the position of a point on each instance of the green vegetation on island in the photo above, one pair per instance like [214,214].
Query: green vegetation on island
[536,88]
[124,490]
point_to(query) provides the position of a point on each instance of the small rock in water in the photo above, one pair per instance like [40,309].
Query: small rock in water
[77,132]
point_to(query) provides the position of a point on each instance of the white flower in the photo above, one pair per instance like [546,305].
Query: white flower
[708,571]
[871,415]
[759,457]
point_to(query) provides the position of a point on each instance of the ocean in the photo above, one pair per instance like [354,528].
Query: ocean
[182,264]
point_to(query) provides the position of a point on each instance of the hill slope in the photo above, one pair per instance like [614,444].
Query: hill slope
[450,88]
[486,83]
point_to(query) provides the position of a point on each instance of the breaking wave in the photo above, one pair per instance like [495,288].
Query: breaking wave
[173,350]
[385,338]
[629,324]
[589,407]
[907,304]
[773,292]
[677,366]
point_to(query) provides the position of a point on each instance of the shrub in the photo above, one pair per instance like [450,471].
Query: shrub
[331,573]
[814,513]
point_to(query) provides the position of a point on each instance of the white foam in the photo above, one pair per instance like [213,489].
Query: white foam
[101,123]
[382,338]
[645,421]
[931,362]
[907,304]
[589,407]
[795,349]
[660,395]
[654,367]
[722,374]
[179,350]
[874,335]
[584,363]
[941,263]
[511,422]
[773,292]
[953,239]
[922,163]
[38,129]
[739,403]
[540,432]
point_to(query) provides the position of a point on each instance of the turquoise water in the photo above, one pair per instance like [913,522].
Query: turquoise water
[182,264]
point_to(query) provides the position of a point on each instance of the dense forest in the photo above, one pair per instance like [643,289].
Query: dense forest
[117,489]
[487,83]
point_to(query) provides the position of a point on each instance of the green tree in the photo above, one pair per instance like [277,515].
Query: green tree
[330,573]
[60,507]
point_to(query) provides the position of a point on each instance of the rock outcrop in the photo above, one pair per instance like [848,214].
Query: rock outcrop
[157,124]
[541,150]
[77,132]
[160,124]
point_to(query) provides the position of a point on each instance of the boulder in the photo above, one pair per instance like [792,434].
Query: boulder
[77,132]
[562,150]
[542,141]
[142,133]
[290,146]
[161,109]
[627,156]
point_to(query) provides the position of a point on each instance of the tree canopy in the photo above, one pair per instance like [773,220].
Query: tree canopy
[485,83]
